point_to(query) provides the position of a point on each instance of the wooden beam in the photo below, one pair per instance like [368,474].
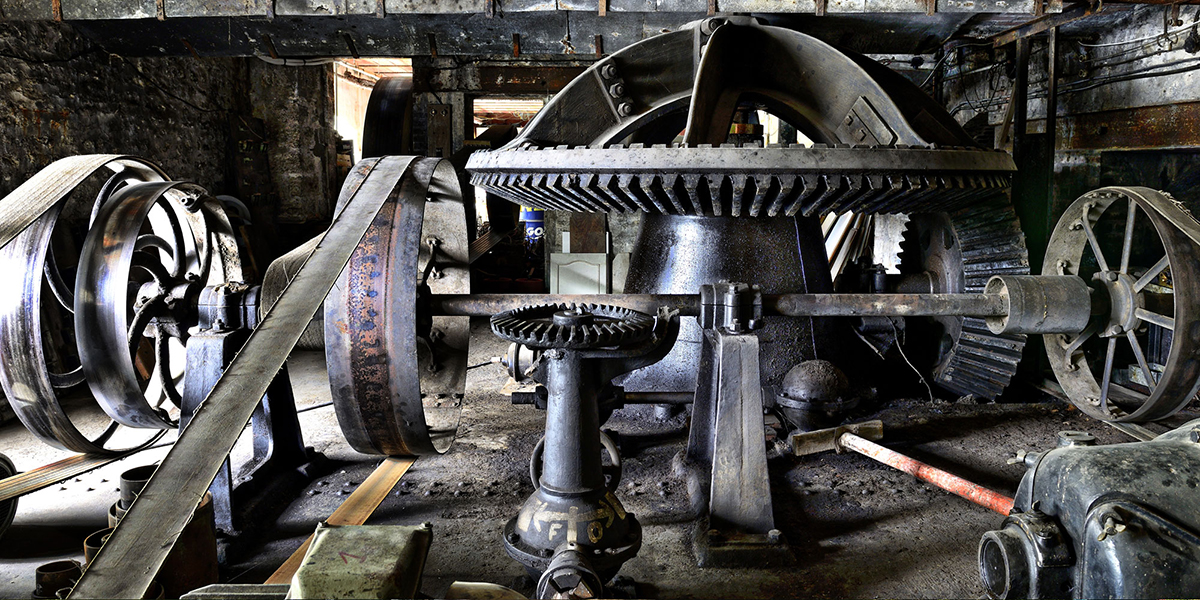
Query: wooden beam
[1035,26]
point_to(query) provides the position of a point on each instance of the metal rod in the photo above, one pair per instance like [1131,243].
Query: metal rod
[659,397]
[951,483]
[791,305]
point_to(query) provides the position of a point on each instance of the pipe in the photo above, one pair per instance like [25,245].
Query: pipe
[951,483]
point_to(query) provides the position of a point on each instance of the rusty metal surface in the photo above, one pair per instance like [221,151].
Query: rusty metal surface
[1172,126]
[386,358]
[126,565]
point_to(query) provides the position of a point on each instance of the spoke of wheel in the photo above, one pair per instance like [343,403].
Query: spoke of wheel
[1107,377]
[108,432]
[162,361]
[1141,358]
[1157,319]
[1128,241]
[1152,274]
[1095,244]
[1072,347]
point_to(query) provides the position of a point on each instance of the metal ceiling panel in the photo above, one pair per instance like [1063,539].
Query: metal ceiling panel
[324,7]
[108,9]
[217,8]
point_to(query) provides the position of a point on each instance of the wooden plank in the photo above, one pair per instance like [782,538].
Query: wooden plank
[354,511]
[48,475]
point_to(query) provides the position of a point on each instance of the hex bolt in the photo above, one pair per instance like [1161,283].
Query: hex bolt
[1111,275]
[566,581]
[625,109]
[617,89]
[608,71]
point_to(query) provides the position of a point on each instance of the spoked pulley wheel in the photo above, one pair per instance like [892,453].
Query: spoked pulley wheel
[141,270]
[103,295]
[396,372]
[40,298]
[1132,363]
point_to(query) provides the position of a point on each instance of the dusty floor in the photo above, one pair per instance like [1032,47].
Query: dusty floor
[856,528]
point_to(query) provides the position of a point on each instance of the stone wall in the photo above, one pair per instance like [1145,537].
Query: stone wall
[62,94]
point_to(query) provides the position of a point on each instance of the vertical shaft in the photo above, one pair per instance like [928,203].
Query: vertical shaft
[571,461]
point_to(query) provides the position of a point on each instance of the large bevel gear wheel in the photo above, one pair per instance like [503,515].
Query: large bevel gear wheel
[604,144]
[959,252]
[573,327]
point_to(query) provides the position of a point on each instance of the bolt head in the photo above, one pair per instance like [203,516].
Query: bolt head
[565,581]
[1195,435]
[625,109]
[616,90]
[608,71]
[1111,275]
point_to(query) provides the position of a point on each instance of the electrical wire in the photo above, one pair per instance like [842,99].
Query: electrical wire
[1142,39]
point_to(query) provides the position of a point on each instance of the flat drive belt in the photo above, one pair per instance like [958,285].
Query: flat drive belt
[47,187]
[133,555]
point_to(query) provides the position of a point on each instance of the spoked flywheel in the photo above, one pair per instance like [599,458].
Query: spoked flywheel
[1139,358]
[118,322]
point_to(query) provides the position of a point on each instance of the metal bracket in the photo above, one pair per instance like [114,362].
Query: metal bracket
[227,314]
[734,307]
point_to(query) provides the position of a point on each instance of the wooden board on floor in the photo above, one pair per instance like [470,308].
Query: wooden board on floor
[354,511]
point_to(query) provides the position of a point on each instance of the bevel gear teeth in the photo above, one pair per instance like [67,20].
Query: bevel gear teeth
[534,326]
[979,362]
[907,180]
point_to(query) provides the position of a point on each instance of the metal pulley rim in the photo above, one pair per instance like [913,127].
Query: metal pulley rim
[28,216]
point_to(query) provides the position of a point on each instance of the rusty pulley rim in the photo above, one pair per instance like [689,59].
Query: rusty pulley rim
[397,374]
[1086,364]
[573,326]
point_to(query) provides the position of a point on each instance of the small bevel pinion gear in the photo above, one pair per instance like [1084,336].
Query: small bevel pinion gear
[573,326]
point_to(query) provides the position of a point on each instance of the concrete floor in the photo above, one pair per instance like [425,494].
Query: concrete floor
[856,528]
